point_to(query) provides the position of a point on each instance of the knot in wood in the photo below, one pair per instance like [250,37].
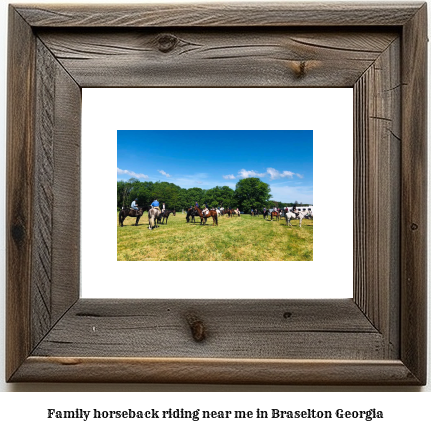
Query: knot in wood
[167,42]
[287,314]
[197,327]
[300,69]
[414,226]
[18,233]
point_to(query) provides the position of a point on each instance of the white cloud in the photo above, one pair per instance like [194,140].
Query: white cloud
[247,174]
[274,174]
[164,173]
[130,173]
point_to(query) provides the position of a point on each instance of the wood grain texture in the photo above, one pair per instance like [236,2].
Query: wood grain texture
[55,278]
[371,340]
[43,194]
[414,195]
[19,198]
[219,15]
[216,57]
[215,371]
[377,169]
[66,206]
[234,329]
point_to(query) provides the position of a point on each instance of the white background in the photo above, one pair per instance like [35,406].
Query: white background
[404,409]
[328,112]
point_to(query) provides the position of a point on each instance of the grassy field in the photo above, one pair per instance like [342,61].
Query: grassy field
[235,239]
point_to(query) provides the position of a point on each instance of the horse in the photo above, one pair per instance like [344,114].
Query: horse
[229,213]
[266,213]
[276,215]
[254,213]
[191,213]
[164,216]
[237,212]
[294,215]
[129,212]
[210,213]
[153,214]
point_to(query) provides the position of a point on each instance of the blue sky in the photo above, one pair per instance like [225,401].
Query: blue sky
[208,158]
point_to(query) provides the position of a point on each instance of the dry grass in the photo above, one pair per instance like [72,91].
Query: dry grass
[242,238]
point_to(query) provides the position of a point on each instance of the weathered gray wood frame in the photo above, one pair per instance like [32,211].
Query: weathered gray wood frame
[379,337]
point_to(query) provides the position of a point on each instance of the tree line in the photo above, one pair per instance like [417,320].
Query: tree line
[249,193]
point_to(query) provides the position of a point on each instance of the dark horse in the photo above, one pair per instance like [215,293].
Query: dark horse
[191,213]
[128,212]
[266,214]
[210,213]
[164,216]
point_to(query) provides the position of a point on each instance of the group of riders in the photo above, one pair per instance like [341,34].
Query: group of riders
[280,211]
[155,204]
[206,212]
[206,209]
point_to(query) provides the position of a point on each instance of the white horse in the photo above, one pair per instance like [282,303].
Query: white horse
[153,213]
[291,215]
[218,212]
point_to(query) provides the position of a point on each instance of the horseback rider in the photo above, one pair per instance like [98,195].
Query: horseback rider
[155,204]
[134,205]
[206,209]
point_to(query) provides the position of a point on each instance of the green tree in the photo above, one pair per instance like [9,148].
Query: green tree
[220,196]
[124,191]
[252,193]
[195,194]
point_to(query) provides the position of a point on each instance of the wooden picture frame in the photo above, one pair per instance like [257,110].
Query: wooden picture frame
[376,338]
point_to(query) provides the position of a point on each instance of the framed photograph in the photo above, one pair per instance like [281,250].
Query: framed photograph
[54,333]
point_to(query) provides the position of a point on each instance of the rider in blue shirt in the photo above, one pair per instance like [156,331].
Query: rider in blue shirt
[155,204]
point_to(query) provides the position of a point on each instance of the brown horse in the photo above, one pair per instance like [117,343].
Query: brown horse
[128,212]
[210,213]
[276,215]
